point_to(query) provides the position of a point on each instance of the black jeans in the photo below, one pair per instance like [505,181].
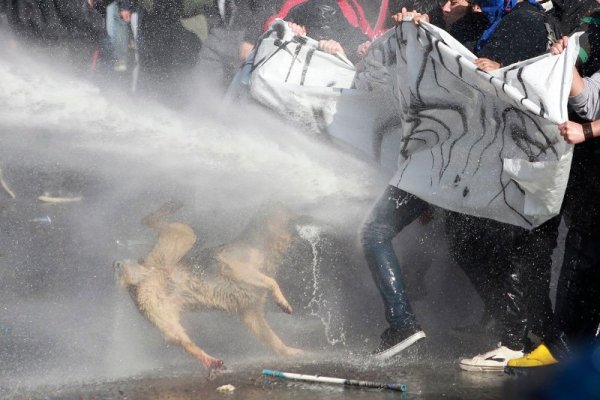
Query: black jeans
[394,210]
[510,268]
[577,311]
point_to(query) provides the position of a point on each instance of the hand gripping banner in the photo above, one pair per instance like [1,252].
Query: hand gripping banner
[291,76]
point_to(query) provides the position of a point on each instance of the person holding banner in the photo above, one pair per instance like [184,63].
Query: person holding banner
[340,26]
[577,310]
[516,31]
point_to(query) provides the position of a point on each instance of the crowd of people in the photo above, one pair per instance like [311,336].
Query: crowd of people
[159,41]
[509,266]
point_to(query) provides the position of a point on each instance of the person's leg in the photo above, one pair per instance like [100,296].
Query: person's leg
[537,295]
[118,37]
[394,210]
[496,239]
[471,248]
[527,285]
[524,266]
[135,23]
[577,309]
[577,300]
[218,60]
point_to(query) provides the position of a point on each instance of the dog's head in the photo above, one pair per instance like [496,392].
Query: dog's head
[128,273]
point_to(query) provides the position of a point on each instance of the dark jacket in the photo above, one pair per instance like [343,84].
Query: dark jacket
[468,29]
[54,20]
[166,45]
[570,12]
[589,53]
[253,14]
[323,19]
[522,34]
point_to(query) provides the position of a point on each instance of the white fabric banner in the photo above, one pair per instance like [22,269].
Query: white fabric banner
[290,76]
[478,143]
[472,142]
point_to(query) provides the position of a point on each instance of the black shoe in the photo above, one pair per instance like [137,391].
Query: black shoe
[393,341]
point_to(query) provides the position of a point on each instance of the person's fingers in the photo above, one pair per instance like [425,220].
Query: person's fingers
[557,48]
[330,46]
[325,45]
[560,45]
[486,64]
[480,62]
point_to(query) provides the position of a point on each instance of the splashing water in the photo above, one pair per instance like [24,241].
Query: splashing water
[142,153]
[318,305]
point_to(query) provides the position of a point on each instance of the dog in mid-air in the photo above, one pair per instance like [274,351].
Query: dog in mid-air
[236,277]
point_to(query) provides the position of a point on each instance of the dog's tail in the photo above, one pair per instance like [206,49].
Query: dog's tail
[157,219]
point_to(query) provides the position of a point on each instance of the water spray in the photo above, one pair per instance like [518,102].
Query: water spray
[5,186]
[312,234]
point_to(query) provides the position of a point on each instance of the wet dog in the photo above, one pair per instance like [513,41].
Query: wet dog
[236,277]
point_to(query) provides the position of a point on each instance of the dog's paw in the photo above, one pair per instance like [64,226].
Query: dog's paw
[213,363]
[285,307]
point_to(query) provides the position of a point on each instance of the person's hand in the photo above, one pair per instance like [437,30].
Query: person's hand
[363,49]
[90,3]
[125,15]
[487,65]
[559,46]
[297,30]
[416,16]
[245,50]
[572,132]
[426,216]
[330,47]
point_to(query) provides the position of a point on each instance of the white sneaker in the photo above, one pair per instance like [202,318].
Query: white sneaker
[492,361]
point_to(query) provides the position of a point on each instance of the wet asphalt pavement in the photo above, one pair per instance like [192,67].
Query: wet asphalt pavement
[441,380]
[69,333]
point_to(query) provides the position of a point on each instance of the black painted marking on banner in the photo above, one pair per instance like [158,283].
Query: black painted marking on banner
[296,53]
[441,57]
[503,187]
[309,55]
[498,121]
[523,140]
[436,77]
[520,79]
[483,122]
[281,46]
[426,54]
[400,41]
